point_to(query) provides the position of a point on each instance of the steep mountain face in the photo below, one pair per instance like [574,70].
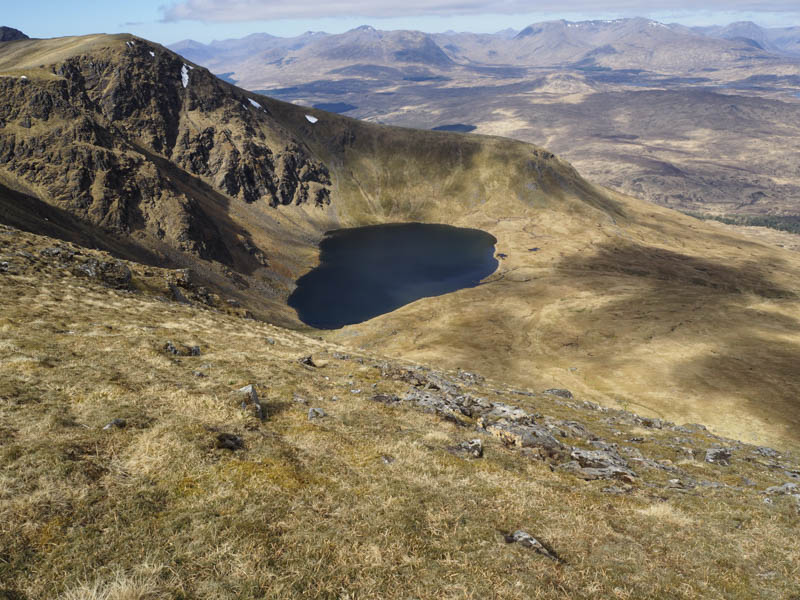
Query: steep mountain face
[106,135]
[9,34]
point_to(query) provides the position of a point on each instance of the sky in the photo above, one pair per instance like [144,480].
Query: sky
[168,21]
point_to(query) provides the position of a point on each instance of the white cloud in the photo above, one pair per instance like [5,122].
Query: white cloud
[220,11]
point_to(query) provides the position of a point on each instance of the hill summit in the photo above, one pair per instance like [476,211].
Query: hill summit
[9,34]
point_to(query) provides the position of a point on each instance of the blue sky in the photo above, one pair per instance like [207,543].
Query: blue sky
[168,21]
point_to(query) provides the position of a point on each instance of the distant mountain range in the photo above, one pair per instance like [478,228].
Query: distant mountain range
[775,39]
[263,61]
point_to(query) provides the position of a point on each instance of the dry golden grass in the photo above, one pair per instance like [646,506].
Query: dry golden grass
[309,509]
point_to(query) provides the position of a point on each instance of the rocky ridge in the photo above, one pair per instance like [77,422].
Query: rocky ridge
[128,135]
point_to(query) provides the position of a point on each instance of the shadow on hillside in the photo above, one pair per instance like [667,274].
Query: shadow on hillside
[662,294]
[35,216]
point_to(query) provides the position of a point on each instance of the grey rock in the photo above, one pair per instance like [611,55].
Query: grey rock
[471,378]
[632,452]
[711,484]
[251,399]
[316,413]
[270,341]
[598,459]
[229,441]
[689,428]
[523,538]
[473,448]
[177,295]
[387,460]
[4,266]
[602,445]
[528,435]
[57,252]
[786,488]
[616,489]
[561,393]
[183,277]
[592,473]
[719,456]
[112,273]
[386,399]
[118,423]
[198,374]
[181,349]
[506,411]
[765,451]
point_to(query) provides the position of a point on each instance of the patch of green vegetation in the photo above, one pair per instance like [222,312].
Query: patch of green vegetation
[790,223]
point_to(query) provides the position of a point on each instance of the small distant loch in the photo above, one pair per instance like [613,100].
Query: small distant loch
[457,127]
[364,272]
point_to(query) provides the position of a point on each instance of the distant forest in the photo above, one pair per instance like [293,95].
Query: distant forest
[790,223]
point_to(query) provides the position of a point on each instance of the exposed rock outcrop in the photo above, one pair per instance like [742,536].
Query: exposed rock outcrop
[132,139]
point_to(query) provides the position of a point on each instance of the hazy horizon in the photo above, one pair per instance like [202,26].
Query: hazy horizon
[209,20]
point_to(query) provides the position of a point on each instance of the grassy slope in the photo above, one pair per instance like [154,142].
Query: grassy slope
[310,509]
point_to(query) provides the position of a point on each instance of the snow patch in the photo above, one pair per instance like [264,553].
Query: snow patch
[311,119]
[254,103]
[24,77]
[153,54]
[184,76]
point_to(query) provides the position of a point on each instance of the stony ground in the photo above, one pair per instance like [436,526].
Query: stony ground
[135,466]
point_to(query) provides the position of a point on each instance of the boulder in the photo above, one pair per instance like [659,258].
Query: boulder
[473,448]
[592,473]
[181,349]
[561,393]
[112,273]
[786,488]
[598,464]
[719,456]
[598,459]
[528,435]
[387,399]
[523,538]
[251,400]
[316,413]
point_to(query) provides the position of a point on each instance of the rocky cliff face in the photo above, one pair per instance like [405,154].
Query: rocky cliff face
[133,139]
